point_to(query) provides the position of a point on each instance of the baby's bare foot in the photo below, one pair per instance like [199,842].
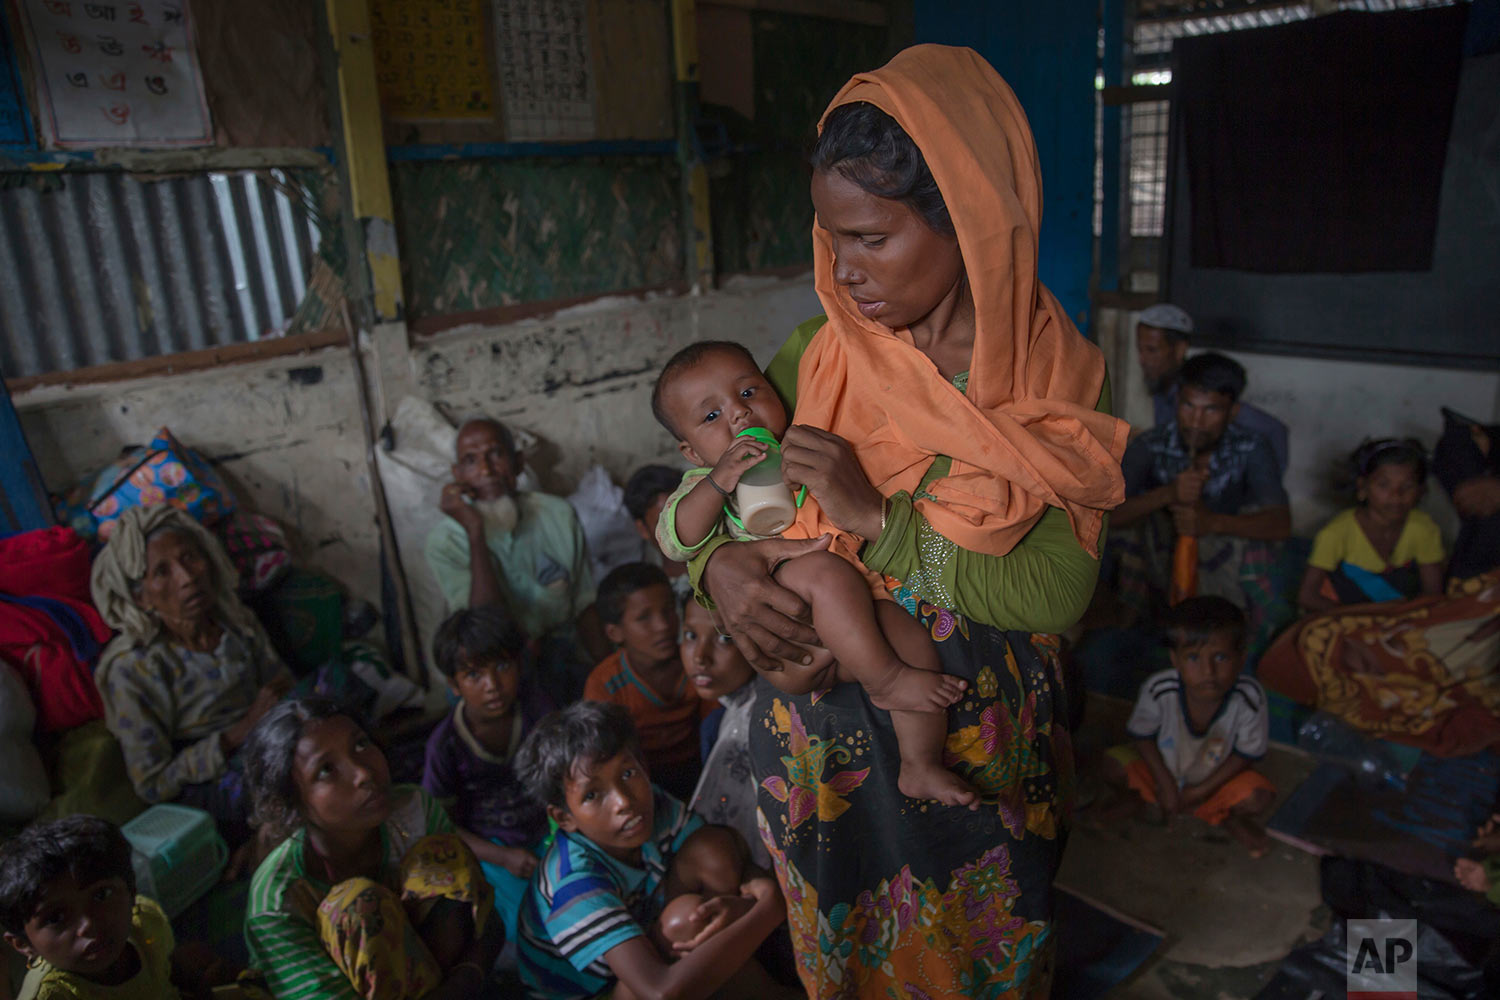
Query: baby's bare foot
[929,781]
[912,690]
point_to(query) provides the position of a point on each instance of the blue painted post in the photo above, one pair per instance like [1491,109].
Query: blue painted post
[1047,52]
[1110,149]
[23,498]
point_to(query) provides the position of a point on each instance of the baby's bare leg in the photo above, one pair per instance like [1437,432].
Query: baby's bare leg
[921,736]
[805,678]
[845,616]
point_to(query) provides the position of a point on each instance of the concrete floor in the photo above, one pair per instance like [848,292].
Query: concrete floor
[1228,918]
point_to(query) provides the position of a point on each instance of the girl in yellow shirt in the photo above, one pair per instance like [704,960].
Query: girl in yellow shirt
[1384,549]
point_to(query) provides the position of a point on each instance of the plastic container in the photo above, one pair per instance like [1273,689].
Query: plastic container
[307,619]
[177,854]
[766,506]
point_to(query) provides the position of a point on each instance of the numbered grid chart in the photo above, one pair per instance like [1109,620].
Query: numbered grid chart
[546,69]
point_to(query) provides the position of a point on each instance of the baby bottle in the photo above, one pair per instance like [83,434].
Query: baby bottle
[766,506]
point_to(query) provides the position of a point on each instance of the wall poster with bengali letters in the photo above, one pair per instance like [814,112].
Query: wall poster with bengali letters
[116,73]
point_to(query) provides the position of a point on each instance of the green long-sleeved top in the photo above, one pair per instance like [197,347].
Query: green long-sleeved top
[1044,584]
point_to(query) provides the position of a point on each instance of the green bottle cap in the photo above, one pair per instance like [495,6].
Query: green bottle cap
[768,439]
[760,434]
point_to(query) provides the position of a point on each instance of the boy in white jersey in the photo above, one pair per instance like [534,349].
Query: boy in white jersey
[1198,729]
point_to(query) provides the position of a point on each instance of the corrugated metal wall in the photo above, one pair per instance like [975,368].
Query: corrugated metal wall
[110,267]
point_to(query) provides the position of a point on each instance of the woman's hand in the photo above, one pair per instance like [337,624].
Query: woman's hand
[765,619]
[825,464]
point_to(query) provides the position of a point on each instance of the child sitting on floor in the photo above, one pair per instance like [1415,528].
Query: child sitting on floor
[470,755]
[371,893]
[1198,728]
[717,671]
[1384,549]
[625,856]
[709,393]
[644,676]
[68,903]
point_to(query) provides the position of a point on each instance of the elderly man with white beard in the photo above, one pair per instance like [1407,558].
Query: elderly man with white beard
[521,551]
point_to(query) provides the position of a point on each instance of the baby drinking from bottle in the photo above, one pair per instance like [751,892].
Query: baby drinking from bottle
[728,421]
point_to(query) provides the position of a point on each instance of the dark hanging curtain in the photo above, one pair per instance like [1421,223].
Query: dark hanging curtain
[1318,147]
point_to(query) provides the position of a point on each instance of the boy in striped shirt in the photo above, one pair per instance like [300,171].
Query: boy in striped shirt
[623,853]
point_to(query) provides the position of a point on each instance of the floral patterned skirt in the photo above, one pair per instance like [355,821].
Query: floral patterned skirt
[892,897]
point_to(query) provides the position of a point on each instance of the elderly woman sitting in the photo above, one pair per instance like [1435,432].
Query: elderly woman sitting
[191,671]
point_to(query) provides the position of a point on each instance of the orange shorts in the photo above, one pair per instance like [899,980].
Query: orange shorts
[1215,809]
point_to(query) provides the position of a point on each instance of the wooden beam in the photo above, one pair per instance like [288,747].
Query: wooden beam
[431,326]
[364,152]
[697,222]
[1116,96]
[161,161]
[852,11]
[185,361]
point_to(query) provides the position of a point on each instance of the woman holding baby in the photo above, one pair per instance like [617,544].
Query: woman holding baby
[954,431]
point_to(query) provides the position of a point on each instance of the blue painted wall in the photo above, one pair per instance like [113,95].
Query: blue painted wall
[1047,52]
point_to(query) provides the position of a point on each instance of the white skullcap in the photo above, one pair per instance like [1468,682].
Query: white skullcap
[1165,316]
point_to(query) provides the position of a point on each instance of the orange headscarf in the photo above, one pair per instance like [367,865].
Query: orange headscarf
[1026,435]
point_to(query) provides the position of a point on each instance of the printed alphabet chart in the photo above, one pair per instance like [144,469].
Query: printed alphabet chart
[116,73]
[432,63]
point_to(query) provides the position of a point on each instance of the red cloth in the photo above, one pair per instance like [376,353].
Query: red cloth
[51,563]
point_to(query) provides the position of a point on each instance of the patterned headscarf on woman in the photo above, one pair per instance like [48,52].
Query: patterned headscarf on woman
[121,567]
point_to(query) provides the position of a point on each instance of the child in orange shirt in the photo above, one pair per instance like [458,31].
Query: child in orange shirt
[645,676]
